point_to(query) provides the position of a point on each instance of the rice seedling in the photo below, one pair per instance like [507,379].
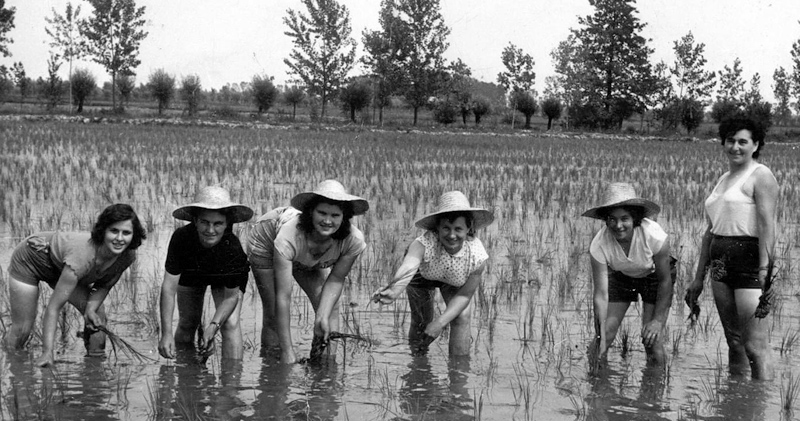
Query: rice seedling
[790,391]
[788,340]
[121,345]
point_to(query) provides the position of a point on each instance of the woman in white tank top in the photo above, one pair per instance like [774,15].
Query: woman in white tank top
[737,247]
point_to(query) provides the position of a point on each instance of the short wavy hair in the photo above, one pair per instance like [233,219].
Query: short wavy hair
[116,213]
[306,222]
[451,217]
[637,213]
[729,127]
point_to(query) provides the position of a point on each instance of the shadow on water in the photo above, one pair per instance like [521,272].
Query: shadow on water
[424,395]
[735,399]
[190,390]
[610,396]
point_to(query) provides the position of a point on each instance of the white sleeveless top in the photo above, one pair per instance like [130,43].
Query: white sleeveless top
[733,212]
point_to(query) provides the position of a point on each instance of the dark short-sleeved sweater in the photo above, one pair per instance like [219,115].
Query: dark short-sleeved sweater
[225,264]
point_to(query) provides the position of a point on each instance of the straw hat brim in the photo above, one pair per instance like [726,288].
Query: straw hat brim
[241,213]
[482,218]
[650,208]
[360,205]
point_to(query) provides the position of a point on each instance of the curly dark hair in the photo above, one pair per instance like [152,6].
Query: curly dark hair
[637,213]
[452,216]
[116,213]
[306,222]
[729,127]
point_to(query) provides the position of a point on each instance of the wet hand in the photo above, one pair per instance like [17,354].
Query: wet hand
[322,329]
[166,347]
[651,332]
[45,360]
[288,357]
[434,329]
[93,320]
[386,295]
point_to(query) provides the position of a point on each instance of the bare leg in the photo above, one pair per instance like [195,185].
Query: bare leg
[93,340]
[311,282]
[725,300]
[265,281]
[421,303]
[614,316]
[655,354]
[232,347]
[23,300]
[460,334]
[755,333]
[190,313]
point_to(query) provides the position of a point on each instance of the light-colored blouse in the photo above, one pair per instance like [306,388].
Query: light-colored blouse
[648,239]
[290,242]
[733,212]
[439,265]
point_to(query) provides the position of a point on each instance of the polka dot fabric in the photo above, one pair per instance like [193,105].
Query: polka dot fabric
[439,265]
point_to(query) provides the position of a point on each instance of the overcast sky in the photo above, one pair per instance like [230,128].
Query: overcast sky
[231,40]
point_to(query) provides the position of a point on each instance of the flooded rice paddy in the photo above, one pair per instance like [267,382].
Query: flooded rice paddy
[531,321]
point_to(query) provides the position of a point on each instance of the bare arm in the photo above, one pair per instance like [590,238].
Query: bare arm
[230,299]
[169,288]
[695,288]
[765,193]
[600,300]
[95,300]
[655,327]
[65,286]
[402,277]
[331,292]
[284,281]
[457,304]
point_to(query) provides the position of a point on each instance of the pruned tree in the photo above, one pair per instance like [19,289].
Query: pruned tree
[753,95]
[551,108]
[113,34]
[481,107]
[616,77]
[6,82]
[385,50]
[294,95]
[458,87]
[6,25]
[162,88]
[65,36]
[323,50]
[82,84]
[264,92]
[519,75]
[731,84]
[126,84]
[191,93]
[525,103]
[423,66]
[782,89]
[691,113]
[355,96]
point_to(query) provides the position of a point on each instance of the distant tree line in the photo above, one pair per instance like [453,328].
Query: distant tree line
[603,77]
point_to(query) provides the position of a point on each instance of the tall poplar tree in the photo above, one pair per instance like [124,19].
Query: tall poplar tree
[6,25]
[65,37]
[323,51]
[423,68]
[782,88]
[619,78]
[385,50]
[113,34]
[691,80]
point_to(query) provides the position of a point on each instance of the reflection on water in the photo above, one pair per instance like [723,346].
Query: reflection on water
[609,398]
[425,395]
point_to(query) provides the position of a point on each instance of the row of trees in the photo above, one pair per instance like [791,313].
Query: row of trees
[603,74]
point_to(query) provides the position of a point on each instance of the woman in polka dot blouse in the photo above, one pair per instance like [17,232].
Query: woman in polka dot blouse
[449,257]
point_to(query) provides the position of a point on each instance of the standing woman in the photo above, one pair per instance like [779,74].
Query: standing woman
[205,253]
[449,257]
[630,257]
[738,245]
[312,243]
[81,268]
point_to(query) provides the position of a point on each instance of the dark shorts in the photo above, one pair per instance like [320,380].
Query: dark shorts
[31,264]
[262,241]
[734,261]
[419,282]
[625,289]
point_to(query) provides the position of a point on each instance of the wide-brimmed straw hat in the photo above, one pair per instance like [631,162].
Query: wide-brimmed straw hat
[331,190]
[455,201]
[213,198]
[621,194]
